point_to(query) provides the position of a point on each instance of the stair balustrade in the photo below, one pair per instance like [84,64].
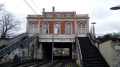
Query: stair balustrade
[79,52]
[9,48]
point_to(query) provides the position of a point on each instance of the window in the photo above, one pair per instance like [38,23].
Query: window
[33,25]
[45,28]
[68,28]
[81,25]
[57,28]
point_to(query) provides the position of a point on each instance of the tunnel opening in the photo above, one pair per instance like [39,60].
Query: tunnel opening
[47,50]
[61,51]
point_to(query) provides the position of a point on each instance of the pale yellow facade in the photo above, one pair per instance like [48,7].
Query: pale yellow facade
[110,54]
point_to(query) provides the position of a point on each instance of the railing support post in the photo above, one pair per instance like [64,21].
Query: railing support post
[52,46]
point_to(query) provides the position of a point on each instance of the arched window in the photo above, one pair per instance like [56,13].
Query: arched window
[45,26]
[81,25]
[57,28]
[68,28]
[33,25]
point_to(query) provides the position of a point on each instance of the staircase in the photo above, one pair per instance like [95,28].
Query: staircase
[91,55]
[21,42]
[6,42]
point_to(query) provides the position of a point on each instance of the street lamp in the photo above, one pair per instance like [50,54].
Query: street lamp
[115,7]
[93,28]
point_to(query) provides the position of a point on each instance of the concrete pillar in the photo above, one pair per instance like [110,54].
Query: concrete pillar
[38,27]
[40,52]
[27,26]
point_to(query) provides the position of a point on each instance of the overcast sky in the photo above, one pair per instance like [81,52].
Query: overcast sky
[107,21]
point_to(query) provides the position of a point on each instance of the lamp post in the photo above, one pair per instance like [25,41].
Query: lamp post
[115,7]
[93,31]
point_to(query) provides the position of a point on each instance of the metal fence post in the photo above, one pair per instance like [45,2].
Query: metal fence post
[52,46]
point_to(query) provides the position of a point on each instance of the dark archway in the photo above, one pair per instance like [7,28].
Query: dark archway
[47,48]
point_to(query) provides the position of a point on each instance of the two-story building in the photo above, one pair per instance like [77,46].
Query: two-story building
[64,25]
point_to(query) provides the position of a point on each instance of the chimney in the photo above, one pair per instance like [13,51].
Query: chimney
[43,9]
[53,9]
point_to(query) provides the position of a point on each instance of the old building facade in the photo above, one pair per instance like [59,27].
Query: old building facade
[64,25]
[59,23]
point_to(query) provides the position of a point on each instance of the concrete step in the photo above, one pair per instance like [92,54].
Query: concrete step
[91,55]
[95,65]
[95,62]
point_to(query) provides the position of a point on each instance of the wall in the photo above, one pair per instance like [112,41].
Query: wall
[29,51]
[105,50]
[62,22]
[62,26]
[12,40]
[111,55]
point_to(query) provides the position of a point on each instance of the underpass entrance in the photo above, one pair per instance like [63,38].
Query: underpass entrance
[61,51]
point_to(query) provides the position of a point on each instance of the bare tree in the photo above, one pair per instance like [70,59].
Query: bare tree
[8,24]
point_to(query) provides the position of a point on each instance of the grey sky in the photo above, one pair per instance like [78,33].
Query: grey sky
[107,21]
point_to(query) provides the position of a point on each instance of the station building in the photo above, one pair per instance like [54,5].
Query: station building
[62,26]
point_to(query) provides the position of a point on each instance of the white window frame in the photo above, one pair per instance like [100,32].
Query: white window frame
[33,25]
[81,26]
[44,28]
[56,29]
[68,28]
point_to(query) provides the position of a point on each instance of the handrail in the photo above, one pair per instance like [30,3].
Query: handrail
[29,39]
[94,39]
[91,37]
[79,52]
[9,48]
[15,45]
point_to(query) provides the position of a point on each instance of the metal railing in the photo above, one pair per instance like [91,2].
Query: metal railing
[29,39]
[93,39]
[9,48]
[12,40]
[79,52]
